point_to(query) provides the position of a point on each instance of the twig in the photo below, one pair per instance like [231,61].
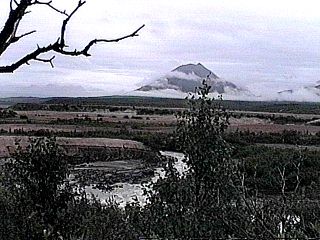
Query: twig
[15,39]
[46,60]
[51,6]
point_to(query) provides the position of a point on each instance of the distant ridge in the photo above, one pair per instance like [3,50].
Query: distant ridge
[306,91]
[290,91]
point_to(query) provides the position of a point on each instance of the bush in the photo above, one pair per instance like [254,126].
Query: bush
[37,201]
[193,205]
[220,197]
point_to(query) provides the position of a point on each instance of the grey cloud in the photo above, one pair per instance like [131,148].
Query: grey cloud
[244,44]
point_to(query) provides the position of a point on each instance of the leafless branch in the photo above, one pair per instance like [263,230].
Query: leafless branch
[8,35]
[51,6]
[86,49]
[65,22]
[17,38]
[283,179]
[46,60]
[11,5]
[298,179]
[12,2]
[25,60]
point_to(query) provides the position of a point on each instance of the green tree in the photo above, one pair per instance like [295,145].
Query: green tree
[38,202]
[35,184]
[213,198]
[200,136]
[197,203]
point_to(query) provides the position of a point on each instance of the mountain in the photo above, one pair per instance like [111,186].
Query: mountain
[315,89]
[309,93]
[289,91]
[185,79]
[198,70]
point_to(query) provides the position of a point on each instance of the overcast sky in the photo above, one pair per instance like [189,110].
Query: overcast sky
[274,44]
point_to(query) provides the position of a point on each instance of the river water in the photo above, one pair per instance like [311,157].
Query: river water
[124,193]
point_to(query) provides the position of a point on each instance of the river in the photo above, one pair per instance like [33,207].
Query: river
[123,193]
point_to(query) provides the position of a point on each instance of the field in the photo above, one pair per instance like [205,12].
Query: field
[116,138]
[117,148]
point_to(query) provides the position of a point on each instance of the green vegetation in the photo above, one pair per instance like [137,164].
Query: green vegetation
[227,195]
[284,137]
[261,165]
[77,104]
[7,113]
[37,201]
[236,187]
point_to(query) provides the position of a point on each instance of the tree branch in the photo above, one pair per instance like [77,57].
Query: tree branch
[46,60]
[17,38]
[51,6]
[86,49]
[65,22]
[11,4]
[25,60]
[7,36]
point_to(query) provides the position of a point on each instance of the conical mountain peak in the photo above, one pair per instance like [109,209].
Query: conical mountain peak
[197,69]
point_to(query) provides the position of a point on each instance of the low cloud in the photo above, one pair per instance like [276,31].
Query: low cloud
[48,90]
[255,44]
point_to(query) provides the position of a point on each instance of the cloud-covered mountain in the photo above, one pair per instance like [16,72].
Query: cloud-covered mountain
[184,79]
[310,93]
[187,78]
[315,88]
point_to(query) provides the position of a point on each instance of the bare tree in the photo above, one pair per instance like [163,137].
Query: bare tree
[8,35]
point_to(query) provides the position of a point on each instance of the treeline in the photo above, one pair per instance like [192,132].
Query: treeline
[167,141]
[123,101]
[7,113]
[275,118]
[92,108]
[64,107]
[261,106]
[284,137]
[99,122]
[157,111]
[75,104]
[156,141]
[275,107]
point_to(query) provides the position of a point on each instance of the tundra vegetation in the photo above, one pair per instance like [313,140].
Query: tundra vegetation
[232,190]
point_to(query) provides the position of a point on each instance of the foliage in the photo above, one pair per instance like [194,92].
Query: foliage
[200,135]
[246,191]
[195,204]
[160,104]
[261,165]
[222,196]
[7,113]
[37,201]
[35,183]
[284,137]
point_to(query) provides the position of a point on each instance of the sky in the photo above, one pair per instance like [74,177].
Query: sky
[259,45]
